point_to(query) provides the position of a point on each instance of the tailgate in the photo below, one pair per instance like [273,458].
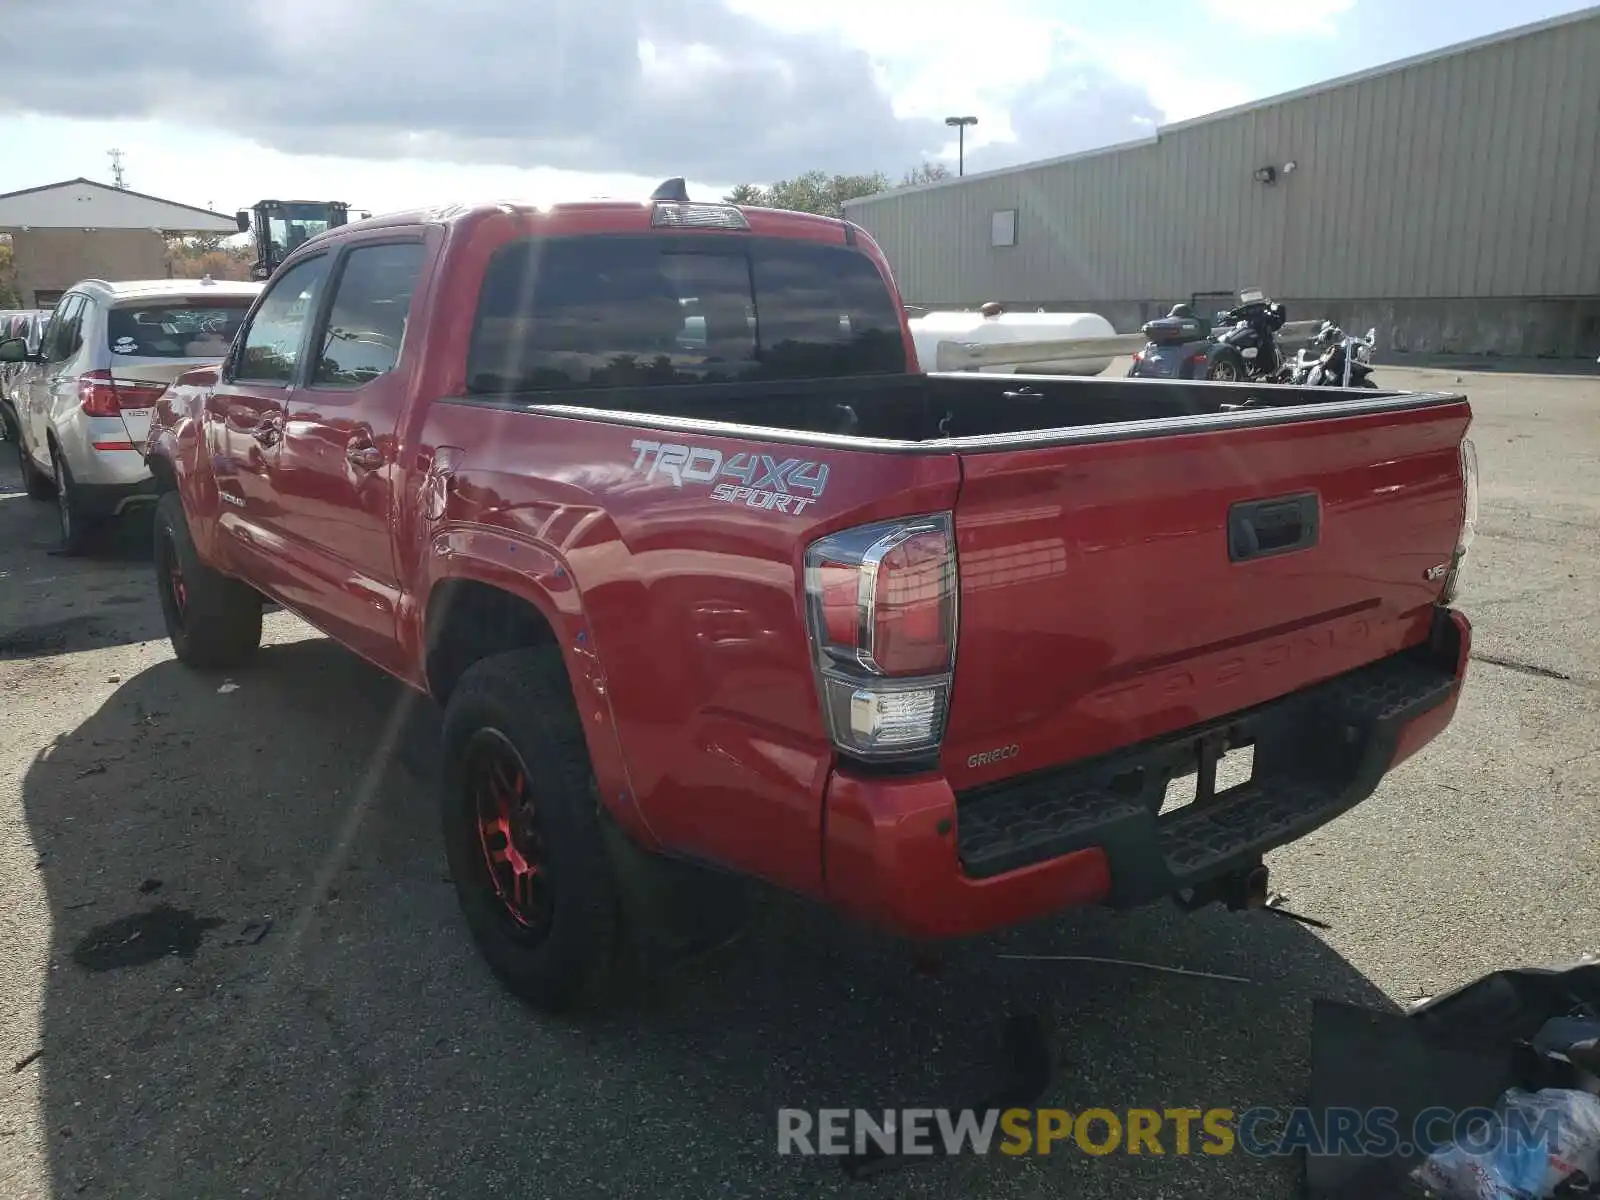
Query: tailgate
[1115,591]
[139,384]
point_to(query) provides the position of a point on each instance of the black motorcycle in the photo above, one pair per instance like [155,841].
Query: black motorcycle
[1177,346]
[1247,348]
[1239,347]
[1336,359]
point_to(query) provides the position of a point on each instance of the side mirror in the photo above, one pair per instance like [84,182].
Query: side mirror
[242,219]
[13,350]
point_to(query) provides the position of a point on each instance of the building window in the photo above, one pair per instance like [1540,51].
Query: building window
[1003,228]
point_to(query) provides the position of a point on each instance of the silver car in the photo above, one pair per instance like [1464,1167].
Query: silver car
[27,326]
[83,400]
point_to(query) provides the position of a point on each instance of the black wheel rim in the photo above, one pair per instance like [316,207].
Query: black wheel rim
[169,578]
[508,830]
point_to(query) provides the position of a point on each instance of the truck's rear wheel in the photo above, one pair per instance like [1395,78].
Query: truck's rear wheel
[213,621]
[522,830]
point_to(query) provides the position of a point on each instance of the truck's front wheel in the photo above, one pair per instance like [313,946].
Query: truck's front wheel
[212,620]
[522,830]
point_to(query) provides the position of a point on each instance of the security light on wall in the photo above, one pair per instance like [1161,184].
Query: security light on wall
[1288,167]
[1266,175]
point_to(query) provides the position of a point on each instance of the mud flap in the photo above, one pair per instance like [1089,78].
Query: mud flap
[673,910]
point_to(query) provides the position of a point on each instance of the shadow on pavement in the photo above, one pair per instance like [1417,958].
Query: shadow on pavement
[308,1018]
[113,602]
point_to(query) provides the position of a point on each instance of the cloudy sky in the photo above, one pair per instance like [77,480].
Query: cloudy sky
[389,103]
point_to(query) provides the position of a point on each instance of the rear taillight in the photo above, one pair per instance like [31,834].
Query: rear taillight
[1469,520]
[99,395]
[881,606]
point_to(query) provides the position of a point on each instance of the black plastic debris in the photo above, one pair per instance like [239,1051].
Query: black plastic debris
[250,933]
[1458,1051]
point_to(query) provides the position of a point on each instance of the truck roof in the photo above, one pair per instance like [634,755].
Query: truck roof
[598,216]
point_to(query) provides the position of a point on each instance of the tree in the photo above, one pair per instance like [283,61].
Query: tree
[208,254]
[9,296]
[928,172]
[814,192]
[824,194]
[749,194]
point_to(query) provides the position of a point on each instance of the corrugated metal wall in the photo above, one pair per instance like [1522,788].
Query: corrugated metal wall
[1472,175]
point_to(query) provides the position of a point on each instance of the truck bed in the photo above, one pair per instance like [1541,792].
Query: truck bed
[966,412]
[1135,557]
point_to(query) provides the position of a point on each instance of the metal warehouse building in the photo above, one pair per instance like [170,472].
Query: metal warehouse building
[1449,200]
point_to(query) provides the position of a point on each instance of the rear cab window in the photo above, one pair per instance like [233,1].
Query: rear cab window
[614,311]
[175,328]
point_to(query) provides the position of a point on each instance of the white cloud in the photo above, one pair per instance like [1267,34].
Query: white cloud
[1294,18]
[615,93]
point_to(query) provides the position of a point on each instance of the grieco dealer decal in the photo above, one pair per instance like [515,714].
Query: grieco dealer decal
[989,757]
[786,485]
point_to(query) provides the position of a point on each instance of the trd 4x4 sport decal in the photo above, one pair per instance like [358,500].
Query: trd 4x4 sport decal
[786,485]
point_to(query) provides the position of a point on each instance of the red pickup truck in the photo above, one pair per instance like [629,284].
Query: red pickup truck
[655,502]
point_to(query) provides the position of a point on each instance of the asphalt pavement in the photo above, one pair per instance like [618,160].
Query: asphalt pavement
[233,964]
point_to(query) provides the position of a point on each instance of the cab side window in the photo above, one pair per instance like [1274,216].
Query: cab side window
[366,324]
[271,347]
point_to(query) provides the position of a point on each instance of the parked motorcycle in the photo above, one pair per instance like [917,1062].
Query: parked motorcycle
[1239,347]
[1247,349]
[1336,359]
[1177,346]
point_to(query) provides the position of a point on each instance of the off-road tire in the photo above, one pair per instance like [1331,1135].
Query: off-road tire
[216,623]
[525,697]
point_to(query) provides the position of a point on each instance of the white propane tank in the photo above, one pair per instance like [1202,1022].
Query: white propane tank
[928,331]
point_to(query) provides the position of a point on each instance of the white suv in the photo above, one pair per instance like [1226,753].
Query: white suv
[84,399]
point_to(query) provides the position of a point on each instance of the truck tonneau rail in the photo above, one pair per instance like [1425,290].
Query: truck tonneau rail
[960,413]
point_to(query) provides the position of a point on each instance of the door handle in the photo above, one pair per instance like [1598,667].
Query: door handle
[367,457]
[1257,528]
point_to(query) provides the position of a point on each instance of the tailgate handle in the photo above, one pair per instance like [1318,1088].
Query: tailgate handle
[1257,528]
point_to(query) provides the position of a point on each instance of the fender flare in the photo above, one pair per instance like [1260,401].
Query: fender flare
[187,470]
[537,575]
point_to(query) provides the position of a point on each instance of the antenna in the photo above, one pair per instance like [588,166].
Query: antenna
[673,190]
[116,167]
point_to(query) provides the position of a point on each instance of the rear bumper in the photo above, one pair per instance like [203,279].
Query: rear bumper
[113,499]
[912,856]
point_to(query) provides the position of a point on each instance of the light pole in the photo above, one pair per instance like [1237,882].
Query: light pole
[960,125]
